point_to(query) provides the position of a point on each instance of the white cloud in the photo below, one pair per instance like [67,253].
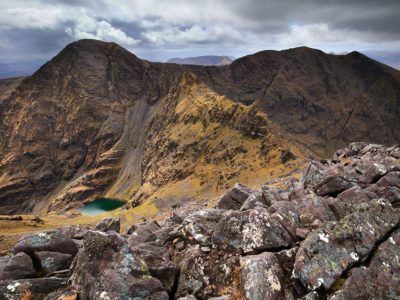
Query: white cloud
[90,28]
[42,18]
[85,24]
[234,27]
[174,35]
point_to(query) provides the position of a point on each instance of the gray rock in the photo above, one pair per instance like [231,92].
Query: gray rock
[200,225]
[311,296]
[374,172]
[183,210]
[53,261]
[165,234]
[139,233]
[331,250]
[205,275]
[39,287]
[347,202]
[262,277]
[4,261]
[333,185]
[192,278]
[19,266]
[379,279]
[74,231]
[188,297]
[390,193]
[108,224]
[235,198]
[106,269]
[249,231]
[302,212]
[314,173]
[158,262]
[46,241]
[390,179]
[259,198]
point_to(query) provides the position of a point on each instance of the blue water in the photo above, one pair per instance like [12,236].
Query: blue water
[101,205]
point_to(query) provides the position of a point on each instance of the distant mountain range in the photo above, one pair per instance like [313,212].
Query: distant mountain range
[206,60]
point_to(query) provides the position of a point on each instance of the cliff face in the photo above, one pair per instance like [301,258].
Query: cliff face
[325,101]
[96,120]
[66,121]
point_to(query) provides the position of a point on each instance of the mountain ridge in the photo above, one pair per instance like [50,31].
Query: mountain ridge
[71,125]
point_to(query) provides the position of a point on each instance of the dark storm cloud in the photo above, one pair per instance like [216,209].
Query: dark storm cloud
[375,16]
[37,29]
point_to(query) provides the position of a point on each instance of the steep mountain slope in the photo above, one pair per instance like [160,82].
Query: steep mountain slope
[67,119]
[7,86]
[96,121]
[206,60]
[324,101]
[68,130]
[200,143]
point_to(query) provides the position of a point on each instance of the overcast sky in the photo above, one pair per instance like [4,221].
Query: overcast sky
[32,31]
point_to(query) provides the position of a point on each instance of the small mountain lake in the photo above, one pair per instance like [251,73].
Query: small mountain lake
[101,205]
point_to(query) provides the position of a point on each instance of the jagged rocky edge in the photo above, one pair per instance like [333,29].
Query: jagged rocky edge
[333,235]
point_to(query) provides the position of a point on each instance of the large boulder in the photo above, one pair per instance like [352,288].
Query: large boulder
[18,266]
[262,198]
[374,172]
[302,212]
[108,224]
[314,173]
[390,179]
[53,241]
[106,269]
[347,202]
[390,193]
[158,262]
[380,279]
[139,233]
[183,210]
[263,278]
[333,249]
[35,288]
[200,225]
[235,198]
[250,231]
[76,232]
[53,261]
[165,234]
[204,273]
[333,186]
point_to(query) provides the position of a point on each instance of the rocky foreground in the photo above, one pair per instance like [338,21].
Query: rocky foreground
[334,234]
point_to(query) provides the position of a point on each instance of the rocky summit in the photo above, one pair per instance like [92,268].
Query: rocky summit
[332,234]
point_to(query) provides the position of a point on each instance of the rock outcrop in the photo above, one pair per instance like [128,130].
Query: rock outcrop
[293,244]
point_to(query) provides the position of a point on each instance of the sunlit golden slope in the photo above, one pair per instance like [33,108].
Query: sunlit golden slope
[199,144]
